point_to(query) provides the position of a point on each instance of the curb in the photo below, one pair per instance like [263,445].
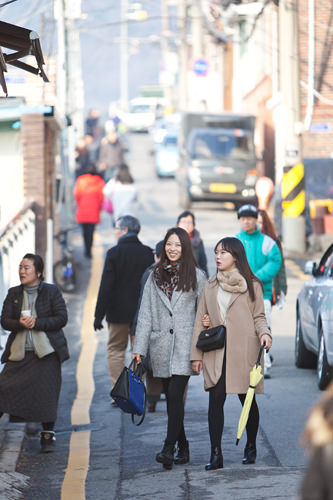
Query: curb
[11,438]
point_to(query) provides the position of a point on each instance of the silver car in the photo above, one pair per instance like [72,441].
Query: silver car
[314,320]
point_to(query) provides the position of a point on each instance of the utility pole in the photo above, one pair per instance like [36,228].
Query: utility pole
[292,170]
[182,55]
[124,55]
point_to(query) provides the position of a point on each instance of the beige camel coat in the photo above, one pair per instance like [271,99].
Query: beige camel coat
[245,324]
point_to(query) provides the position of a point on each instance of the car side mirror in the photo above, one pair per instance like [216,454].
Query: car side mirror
[310,267]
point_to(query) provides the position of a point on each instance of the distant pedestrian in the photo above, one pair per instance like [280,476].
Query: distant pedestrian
[88,193]
[165,326]
[123,193]
[280,279]
[186,220]
[82,158]
[111,155]
[233,298]
[317,483]
[35,313]
[119,289]
[154,384]
[264,257]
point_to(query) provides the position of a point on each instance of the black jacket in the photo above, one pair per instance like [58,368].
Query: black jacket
[51,317]
[119,290]
[199,251]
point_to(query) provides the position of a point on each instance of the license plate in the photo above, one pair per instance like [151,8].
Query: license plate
[222,188]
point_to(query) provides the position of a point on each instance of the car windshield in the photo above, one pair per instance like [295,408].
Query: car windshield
[140,108]
[220,143]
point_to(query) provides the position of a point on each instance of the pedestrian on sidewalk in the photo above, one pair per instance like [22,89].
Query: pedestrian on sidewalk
[317,483]
[280,279]
[111,154]
[153,384]
[186,220]
[119,290]
[88,193]
[264,257]
[35,313]
[165,327]
[233,298]
[123,193]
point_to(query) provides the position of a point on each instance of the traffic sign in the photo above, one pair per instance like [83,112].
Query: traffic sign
[200,67]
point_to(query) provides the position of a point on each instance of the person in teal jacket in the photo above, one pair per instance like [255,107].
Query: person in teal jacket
[264,257]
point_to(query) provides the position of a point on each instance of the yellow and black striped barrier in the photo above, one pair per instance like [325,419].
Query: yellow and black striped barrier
[293,191]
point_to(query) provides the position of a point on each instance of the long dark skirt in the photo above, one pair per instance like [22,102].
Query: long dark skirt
[29,389]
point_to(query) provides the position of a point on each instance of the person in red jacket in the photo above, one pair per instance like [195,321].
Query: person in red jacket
[88,193]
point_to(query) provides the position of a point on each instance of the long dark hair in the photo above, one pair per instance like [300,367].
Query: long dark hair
[187,271]
[37,262]
[267,226]
[237,250]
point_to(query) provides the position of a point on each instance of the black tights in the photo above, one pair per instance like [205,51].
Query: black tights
[174,388]
[217,397]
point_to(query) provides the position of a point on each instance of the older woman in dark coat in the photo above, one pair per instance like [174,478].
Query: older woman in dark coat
[30,382]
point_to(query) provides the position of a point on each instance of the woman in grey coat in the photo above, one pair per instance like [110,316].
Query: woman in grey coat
[165,325]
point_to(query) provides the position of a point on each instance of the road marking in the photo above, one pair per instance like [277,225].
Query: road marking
[295,269]
[73,487]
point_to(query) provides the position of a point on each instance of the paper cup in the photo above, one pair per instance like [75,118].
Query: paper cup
[26,312]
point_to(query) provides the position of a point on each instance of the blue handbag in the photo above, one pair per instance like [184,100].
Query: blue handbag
[129,391]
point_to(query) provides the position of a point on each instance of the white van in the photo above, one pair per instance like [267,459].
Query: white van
[142,113]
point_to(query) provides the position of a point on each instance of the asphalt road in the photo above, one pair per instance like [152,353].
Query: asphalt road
[103,456]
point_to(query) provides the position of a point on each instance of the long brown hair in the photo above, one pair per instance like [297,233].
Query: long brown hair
[187,271]
[237,250]
[267,226]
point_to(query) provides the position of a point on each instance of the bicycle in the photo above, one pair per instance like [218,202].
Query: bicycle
[64,269]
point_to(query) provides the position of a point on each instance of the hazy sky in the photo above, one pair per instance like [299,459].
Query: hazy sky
[100,47]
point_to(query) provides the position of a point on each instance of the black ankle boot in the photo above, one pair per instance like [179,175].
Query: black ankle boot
[183,454]
[250,454]
[216,459]
[165,456]
[47,441]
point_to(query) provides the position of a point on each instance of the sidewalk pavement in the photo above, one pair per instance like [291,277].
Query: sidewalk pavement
[267,473]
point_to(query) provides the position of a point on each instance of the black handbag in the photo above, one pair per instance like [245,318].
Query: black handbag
[129,391]
[212,338]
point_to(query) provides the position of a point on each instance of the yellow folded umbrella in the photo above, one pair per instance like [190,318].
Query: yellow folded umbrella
[255,377]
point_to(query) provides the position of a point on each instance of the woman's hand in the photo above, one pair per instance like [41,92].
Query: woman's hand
[137,357]
[267,340]
[197,366]
[205,320]
[27,322]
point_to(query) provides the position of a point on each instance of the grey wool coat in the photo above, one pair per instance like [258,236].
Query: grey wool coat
[166,327]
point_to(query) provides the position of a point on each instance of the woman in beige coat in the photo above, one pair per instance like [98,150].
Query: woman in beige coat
[233,298]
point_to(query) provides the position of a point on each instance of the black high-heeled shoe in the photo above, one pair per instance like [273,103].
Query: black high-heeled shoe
[216,459]
[183,454]
[250,454]
[165,456]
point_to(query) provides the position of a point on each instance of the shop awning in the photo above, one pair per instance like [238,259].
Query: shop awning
[22,42]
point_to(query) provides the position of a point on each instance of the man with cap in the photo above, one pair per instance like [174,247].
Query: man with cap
[264,258]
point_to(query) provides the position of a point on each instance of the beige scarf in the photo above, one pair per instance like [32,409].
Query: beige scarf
[41,343]
[229,282]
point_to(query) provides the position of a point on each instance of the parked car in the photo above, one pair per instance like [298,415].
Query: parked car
[314,320]
[166,155]
[161,127]
[217,159]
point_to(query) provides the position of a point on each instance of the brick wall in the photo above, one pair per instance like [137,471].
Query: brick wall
[34,184]
[317,144]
